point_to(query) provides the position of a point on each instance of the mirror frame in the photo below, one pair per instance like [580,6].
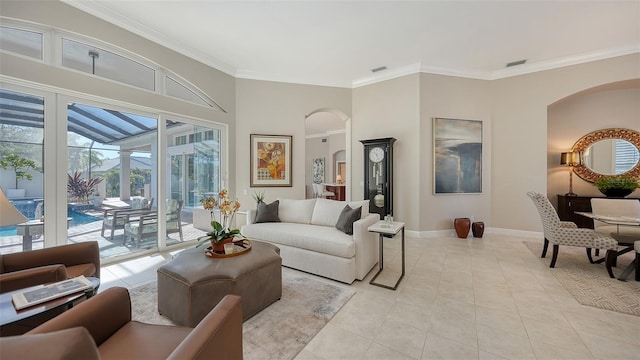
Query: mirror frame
[614,133]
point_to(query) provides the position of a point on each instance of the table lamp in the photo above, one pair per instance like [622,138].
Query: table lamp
[9,215]
[339,179]
[571,159]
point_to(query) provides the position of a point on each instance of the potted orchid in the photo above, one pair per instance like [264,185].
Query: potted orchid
[226,209]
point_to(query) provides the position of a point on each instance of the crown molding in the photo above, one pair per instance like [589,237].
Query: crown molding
[96,9]
[254,75]
[565,61]
[388,74]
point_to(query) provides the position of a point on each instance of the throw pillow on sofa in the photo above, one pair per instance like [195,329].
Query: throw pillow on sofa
[267,213]
[346,219]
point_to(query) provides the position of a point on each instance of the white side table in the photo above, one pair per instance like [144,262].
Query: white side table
[383,228]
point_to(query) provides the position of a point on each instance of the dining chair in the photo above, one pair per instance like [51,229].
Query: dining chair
[566,233]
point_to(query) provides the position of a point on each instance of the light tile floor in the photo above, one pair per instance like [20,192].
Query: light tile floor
[487,298]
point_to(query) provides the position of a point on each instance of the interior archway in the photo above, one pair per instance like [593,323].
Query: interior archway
[611,105]
[327,132]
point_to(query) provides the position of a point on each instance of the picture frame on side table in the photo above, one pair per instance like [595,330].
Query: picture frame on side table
[271,160]
[457,152]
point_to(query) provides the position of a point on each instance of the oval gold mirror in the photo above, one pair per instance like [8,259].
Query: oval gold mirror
[608,152]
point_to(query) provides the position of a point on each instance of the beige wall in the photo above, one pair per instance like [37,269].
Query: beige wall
[274,108]
[576,116]
[514,112]
[391,109]
[519,132]
[456,98]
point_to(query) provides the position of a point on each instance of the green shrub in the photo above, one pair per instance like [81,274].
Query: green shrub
[616,182]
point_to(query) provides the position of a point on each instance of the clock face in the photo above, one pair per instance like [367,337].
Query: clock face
[376,154]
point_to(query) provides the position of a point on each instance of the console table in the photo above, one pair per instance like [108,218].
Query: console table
[338,189]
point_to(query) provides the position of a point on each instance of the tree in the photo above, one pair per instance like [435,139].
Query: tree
[20,165]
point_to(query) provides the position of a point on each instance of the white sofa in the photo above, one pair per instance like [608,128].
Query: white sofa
[309,241]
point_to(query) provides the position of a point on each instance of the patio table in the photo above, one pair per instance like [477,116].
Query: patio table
[30,228]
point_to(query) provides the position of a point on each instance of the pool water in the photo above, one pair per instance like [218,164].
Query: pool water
[76,219]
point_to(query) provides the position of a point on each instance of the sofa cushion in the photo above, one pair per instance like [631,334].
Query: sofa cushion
[267,212]
[347,217]
[326,212]
[322,239]
[296,211]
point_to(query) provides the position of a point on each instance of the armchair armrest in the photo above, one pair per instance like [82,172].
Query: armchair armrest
[219,333]
[21,279]
[75,343]
[68,255]
[102,315]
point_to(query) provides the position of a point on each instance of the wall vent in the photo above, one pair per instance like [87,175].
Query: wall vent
[514,63]
[324,140]
[379,69]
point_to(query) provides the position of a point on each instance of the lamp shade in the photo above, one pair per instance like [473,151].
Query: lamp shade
[9,215]
[571,158]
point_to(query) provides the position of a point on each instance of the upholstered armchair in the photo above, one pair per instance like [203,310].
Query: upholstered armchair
[566,233]
[101,328]
[29,268]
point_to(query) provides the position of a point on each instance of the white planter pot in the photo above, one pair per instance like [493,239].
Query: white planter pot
[16,193]
[97,201]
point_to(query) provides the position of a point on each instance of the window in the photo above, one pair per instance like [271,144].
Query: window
[627,156]
[23,42]
[103,63]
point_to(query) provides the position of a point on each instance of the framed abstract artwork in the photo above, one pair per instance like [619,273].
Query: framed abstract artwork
[457,151]
[271,160]
[318,170]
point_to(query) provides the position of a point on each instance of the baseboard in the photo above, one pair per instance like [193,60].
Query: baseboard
[452,233]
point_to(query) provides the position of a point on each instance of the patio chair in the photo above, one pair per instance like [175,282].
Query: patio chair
[114,219]
[146,226]
[567,233]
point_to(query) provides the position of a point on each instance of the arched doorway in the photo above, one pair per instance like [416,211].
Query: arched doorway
[327,149]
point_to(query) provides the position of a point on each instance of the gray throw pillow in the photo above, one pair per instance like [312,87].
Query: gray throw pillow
[267,213]
[346,219]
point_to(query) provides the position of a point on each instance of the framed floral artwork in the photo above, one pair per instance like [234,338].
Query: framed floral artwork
[271,160]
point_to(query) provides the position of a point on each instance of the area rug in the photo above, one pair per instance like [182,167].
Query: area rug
[280,331]
[590,284]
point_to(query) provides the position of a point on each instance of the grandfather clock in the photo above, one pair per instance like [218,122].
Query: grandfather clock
[378,175]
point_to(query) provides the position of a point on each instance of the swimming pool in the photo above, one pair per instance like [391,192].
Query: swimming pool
[28,208]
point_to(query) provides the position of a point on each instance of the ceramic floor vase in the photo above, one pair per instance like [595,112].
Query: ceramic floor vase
[462,226]
[477,228]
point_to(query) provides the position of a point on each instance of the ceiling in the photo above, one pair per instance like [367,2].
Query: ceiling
[337,43]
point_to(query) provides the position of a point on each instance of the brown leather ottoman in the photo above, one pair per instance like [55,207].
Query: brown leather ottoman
[190,285]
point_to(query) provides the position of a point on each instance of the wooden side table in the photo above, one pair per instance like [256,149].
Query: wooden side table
[384,228]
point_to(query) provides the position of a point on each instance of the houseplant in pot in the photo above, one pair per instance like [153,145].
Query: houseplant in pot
[221,224]
[616,186]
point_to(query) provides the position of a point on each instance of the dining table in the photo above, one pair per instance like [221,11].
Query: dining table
[618,221]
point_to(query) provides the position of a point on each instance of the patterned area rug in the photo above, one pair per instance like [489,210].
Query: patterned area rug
[590,284]
[280,331]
